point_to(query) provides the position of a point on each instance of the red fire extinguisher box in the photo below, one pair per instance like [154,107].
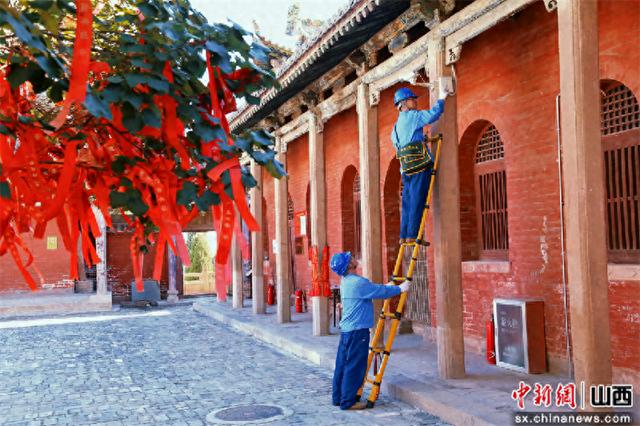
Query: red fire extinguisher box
[519,335]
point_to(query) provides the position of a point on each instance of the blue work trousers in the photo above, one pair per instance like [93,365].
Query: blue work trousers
[414,197]
[351,366]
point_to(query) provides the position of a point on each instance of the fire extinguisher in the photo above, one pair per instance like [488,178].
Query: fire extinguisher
[271,295]
[299,301]
[491,346]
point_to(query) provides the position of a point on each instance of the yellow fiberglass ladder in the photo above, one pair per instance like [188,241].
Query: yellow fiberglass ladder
[374,350]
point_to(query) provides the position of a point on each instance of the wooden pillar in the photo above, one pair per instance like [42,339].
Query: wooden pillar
[370,210]
[371,225]
[283,257]
[446,221]
[236,266]
[318,199]
[257,244]
[101,249]
[583,179]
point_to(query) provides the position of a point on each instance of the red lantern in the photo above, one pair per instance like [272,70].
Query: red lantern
[271,295]
[299,301]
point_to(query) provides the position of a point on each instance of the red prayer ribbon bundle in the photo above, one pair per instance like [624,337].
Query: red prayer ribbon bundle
[320,273]
[52,174]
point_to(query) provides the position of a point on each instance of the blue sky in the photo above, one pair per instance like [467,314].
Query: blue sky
[271,15]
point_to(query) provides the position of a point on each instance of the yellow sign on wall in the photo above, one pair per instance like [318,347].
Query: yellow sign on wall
[52,243]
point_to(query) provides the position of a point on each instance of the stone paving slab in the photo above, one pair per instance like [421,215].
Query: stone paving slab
[168,366]
[483,397]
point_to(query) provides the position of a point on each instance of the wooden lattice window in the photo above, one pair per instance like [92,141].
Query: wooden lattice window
[357,243]
[620,130]
[490,146]
[620,111]
[491,195]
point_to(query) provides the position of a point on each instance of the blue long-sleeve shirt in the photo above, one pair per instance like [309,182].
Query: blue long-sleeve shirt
[409,126]
[356,294]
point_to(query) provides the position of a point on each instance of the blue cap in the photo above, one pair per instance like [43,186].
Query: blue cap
[340,262]
[403,94]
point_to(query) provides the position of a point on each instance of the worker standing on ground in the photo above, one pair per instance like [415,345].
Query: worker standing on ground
[416,161]
[356,294]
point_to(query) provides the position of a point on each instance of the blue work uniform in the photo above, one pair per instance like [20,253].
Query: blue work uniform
[406,131]
[356,294]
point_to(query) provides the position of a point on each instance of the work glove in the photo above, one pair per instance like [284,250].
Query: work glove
[404,287]
[442,92]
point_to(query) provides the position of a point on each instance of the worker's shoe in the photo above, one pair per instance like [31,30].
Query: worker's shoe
[360,405]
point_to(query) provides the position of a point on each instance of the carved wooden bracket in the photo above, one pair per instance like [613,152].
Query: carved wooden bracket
[310,98]
[551,5]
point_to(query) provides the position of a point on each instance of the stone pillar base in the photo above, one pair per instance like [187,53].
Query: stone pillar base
[320,315]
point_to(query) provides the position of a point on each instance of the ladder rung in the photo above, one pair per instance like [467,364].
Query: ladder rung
[379,350]
[393,315]
[401,279]
[370,381]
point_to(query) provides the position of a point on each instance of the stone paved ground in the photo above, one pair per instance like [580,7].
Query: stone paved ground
[169,366]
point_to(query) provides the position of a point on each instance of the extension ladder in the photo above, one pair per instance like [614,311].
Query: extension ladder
[374,350]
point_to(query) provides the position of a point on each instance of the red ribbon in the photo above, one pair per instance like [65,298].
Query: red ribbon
[81,60]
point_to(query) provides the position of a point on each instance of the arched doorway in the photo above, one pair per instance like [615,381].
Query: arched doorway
[417,308]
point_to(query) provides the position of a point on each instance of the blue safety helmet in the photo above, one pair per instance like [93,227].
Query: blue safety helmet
[403,94]
[340,262]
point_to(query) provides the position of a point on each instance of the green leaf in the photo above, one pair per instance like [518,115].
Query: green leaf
[261,138]
[212,46]
[133,123]
[151,117]
[137,206]
[243,144]
[118,199]
[134,79]
[18,27]
[5,191]
[49,66]
[187,194]
[148,10]
[207,133]
[25,119]
[259,52]
[19,74]
[5,131]
[41,4]
[252,100]
[159,85]
[206,200]
[56,92]
[97,107]
[141,63]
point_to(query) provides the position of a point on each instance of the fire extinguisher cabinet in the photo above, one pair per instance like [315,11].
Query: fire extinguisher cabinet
[519,335]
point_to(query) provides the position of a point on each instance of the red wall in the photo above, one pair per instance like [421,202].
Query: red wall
[298,163]
[53,264]
[341,151]
[120,271]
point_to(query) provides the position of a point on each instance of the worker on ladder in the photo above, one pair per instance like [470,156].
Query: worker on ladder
[416,161]
[356,294]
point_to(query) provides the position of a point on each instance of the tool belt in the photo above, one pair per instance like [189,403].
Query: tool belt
[414,158]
